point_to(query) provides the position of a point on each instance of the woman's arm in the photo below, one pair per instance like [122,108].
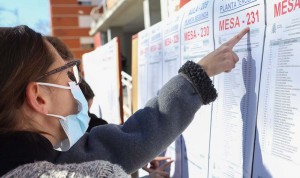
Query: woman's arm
[145,134]
[150,130]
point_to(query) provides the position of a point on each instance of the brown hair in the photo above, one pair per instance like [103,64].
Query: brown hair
[63,50]
[24,56]
[86,90]
[60,47]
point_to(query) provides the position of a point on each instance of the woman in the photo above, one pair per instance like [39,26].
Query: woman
[43,110]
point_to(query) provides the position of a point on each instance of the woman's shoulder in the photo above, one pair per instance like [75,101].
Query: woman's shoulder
[86,169]
[22,147]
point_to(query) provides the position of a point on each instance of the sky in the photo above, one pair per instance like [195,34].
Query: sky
[33,13]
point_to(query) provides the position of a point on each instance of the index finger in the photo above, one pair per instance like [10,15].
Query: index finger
[233,41]
[161,158]
[149,170]
[165,165]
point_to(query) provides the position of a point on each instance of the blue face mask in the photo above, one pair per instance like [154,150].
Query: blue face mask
[74,125]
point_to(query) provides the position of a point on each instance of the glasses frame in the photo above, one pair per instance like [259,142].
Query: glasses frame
[66,66]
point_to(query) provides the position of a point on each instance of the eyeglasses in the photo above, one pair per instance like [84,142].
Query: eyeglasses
[73,74]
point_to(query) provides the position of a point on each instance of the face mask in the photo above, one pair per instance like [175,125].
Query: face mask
[74,125]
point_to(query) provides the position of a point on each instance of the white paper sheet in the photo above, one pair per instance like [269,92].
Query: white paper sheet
[154,82]
[171,46]
[143,56]
[277,144]
[197,42]
[234,111]
[99,64]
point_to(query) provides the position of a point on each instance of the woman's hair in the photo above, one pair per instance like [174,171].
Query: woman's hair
[24,57]
[86,90]
[61,48]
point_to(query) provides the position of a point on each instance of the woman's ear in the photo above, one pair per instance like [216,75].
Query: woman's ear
[37,99]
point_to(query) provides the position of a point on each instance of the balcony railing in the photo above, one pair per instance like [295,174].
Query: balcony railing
[127,94]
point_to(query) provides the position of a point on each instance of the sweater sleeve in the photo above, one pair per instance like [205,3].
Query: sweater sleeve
[146,133]
[85,169]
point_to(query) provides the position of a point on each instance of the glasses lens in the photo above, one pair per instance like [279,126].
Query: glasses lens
[74,75]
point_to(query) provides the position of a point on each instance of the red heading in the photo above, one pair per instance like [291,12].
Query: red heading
[286,6]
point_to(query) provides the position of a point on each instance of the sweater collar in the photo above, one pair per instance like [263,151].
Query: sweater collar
[22,147]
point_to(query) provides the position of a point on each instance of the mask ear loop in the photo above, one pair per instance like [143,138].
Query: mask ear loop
[54,85]
[54,115]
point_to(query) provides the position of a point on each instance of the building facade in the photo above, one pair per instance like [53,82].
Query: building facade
[125,18]
[70,21]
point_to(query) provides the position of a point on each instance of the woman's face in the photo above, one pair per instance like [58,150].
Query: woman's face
[61,100]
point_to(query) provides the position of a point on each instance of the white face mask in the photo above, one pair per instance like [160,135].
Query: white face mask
[74,125]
